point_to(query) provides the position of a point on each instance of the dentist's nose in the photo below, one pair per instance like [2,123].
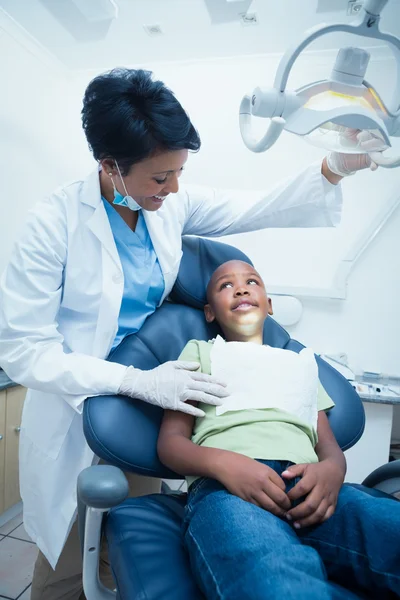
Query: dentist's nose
[172,186]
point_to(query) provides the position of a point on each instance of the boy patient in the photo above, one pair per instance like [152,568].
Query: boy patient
[267,514]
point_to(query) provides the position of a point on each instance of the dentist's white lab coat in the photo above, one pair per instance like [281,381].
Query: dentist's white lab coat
[60,298]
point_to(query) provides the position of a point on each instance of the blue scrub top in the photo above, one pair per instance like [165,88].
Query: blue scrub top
[143,278]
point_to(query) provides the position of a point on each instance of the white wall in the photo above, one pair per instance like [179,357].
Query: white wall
[366,325]
[38,139]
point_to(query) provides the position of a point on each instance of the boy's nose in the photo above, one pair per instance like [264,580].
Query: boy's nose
[242,292]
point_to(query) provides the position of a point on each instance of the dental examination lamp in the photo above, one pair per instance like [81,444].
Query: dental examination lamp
[328,112]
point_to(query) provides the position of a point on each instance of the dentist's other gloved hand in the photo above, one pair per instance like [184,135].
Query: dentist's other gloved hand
[171,384]
[347,164]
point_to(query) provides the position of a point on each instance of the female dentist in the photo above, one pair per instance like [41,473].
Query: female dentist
[95,260]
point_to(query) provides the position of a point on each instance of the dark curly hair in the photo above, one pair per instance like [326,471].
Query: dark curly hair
[128,116]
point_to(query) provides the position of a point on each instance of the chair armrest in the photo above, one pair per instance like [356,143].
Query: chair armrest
[99,488]
[102,486]
[385,478]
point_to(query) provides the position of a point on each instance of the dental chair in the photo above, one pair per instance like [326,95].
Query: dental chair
[146,551]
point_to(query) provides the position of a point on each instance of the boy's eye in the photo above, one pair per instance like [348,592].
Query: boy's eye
[253,281]
[225,285]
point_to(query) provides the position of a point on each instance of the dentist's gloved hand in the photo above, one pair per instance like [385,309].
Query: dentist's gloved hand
[171,384]
[347,164]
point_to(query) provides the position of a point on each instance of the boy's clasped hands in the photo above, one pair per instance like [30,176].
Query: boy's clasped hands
[257,483]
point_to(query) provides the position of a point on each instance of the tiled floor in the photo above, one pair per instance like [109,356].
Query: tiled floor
[17,558]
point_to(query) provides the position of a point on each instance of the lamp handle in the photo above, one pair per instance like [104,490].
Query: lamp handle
[272,134]
[384,161]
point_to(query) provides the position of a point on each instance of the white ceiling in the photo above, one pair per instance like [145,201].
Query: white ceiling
[192,29]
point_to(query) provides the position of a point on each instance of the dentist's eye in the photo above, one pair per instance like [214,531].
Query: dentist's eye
[161,181]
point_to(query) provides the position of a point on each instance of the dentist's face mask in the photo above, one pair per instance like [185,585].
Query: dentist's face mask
[126,200]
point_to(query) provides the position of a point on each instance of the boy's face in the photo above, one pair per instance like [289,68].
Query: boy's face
[237,299]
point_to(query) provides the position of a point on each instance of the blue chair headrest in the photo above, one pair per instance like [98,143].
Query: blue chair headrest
[199,260]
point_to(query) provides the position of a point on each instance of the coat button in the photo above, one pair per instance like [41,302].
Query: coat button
[117,277]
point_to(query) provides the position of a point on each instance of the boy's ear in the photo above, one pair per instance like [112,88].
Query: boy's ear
[270,309]
[210,317]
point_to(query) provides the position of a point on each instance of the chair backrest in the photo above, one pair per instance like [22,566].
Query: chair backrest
[124,432]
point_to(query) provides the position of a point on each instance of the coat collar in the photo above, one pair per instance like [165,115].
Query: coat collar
[98,222]
[90,192]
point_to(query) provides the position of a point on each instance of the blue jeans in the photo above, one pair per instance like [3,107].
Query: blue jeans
[239,551]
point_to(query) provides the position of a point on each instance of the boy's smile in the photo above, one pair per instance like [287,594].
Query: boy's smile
[244,305]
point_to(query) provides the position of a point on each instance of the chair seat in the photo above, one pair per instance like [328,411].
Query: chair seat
[146,549]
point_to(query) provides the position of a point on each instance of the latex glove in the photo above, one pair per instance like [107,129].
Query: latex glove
[171,384]
[347,164]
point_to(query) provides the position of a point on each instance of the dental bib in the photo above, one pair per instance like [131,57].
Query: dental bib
[262,377]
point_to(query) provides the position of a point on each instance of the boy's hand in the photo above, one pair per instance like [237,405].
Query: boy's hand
[254,482]
[320,483]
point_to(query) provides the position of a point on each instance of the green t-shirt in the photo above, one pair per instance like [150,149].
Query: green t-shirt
[268,434]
